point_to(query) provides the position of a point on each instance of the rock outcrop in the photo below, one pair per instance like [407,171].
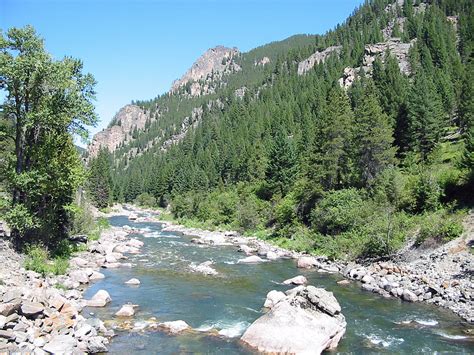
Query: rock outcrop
[211,66]
[316,58]
[395,46]
[307,321]
[128,119]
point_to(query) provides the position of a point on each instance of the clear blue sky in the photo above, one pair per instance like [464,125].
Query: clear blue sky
[135,49]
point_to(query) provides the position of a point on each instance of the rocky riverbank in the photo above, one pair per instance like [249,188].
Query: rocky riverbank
[441,276]
[42,315]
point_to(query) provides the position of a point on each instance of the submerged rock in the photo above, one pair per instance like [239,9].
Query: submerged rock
[250,260]
[204,268]
[175,327]
[307,320]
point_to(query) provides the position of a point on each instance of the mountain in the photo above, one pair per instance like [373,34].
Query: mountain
[305,139]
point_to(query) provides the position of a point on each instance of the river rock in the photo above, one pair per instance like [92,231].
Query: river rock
[175,327]
[60,344]
[297,280]
[271,255]
[8,308]
[273,297]
[133,282]
[126,311]
[132,216]
[31,309]
[409,296]
[307,320]
[307,262]
[204,268]
[367,279]
[344,282]
[96,276]
[135,243]
[79,276]
[250,260]
[97,344]
[246,249]
[100,299]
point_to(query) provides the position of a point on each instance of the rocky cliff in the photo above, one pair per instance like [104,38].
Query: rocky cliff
[211,66]
[316,58]
[128,119]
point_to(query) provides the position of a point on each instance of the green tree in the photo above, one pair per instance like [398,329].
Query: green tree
[100,179]
[47,101]
[373,139]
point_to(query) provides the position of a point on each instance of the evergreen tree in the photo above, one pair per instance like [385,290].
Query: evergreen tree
[425,115]
[100,179]
[373,139]
[281,169]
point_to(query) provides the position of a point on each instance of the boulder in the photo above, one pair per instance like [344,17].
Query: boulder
[307,320]
[135,243]
[96,276]
[79,276]
[97,344]
[100,299]
[246,249]
[253,259]
[273,297]
[344,282]
[132,217]
[306,262]
[126,311]
[133,282]
[297,280]
[8,308]
[409,296]
[367,279]
[271,255]
[204,268]
[60,344]
[175,327]
[31,309]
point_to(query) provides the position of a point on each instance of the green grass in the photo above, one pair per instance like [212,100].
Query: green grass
[101,225]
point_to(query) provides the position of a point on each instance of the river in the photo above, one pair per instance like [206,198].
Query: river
[233,299]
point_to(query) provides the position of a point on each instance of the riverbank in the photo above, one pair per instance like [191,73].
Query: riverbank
[441,275]
[42,314]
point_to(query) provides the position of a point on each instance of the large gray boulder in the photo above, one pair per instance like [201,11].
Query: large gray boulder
[307,321]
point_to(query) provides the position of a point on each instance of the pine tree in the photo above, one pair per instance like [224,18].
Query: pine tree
[100,180]
[373,139]
[425,115]
[281,168]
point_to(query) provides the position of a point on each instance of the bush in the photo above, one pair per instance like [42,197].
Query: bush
[339,211]
[440,227]
[37,259]
[145,200]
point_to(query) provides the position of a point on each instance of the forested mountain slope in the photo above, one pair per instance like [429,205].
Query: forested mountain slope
[307,139]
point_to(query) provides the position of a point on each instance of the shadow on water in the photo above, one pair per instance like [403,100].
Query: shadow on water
[233,299]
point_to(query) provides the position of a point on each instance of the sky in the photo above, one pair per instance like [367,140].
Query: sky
[136,48]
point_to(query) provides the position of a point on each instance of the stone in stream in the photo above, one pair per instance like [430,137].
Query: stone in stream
[246,249]
[297,280]
[306,262]
[250,260]
[133,282]
[344,282]
[273,297]
[96,276]
[175,327]
[409,296]
[307,318]
[204,268]
[127,310]
[100,299]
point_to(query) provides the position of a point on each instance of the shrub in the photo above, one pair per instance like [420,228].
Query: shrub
[440,227]
[145,200]
[339,211]
[38,259]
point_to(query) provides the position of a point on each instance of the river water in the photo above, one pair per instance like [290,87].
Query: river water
[230,301]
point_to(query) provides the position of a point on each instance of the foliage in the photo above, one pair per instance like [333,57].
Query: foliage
[99,181]
[46,102]
[146,200]
[38,259]
[440,226]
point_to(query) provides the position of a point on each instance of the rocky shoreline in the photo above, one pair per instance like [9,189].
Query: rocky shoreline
[441,276]
[42,315]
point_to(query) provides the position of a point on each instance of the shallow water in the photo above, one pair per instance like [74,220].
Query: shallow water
[233,299]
